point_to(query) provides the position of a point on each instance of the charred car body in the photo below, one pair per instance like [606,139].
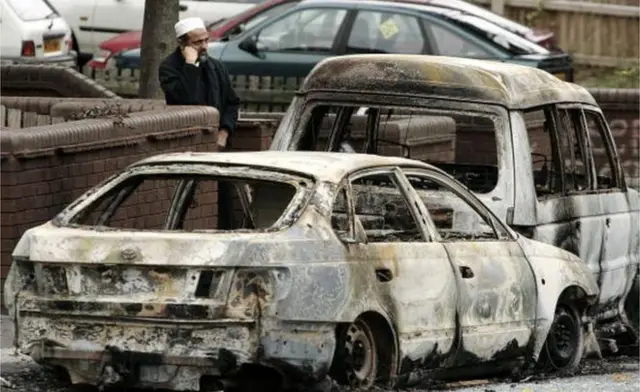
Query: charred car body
[364,267]
[533,148]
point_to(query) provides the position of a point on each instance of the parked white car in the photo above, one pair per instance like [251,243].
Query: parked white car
[32,32]
[94,21]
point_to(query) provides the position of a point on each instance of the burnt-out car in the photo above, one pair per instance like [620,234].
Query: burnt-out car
[366,268]
[535,149]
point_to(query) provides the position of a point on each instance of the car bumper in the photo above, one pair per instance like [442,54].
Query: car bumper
[69,60]
[173,354]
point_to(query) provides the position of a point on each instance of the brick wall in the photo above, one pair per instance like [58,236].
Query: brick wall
[44,80]
[621,108]
[31,111]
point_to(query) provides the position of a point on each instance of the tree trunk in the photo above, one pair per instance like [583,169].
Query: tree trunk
[158,40]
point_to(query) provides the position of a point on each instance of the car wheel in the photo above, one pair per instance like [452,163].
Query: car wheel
[356,360]
[564,346]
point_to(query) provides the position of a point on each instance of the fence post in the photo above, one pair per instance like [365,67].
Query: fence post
[497,7]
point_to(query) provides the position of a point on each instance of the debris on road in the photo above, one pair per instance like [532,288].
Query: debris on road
[467,383]
[621,377]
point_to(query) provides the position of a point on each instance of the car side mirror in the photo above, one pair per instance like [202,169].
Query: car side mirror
[346,238]
[250,44]
[359,235]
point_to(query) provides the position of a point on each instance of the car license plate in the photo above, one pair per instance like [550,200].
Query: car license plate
[51,45]
[560,75]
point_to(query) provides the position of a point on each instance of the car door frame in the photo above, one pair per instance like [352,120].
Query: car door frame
[528,296]
[428,18]
[425,355]
[256,13]
[560,219]
[348,20]
[360,7]
[270,63]
[617,220]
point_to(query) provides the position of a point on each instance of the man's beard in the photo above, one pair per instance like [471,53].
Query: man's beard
[202,57]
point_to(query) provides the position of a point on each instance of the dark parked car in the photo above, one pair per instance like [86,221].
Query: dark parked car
[291,44]
[225,28]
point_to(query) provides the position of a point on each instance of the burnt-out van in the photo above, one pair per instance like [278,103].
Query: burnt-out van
[535,149]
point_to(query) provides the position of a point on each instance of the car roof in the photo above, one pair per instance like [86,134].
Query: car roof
[410,4]
[444,12]
[485,81]
[415,5]
[320,165]
[443,7]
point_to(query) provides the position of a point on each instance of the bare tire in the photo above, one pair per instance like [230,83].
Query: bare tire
[564,347]
[356,359]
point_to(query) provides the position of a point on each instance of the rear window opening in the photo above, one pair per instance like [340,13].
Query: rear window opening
[462,143]
[160,202]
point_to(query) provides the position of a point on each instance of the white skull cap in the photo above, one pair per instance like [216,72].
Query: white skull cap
[188,24]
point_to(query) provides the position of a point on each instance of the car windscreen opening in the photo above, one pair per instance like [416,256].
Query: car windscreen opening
[463,143]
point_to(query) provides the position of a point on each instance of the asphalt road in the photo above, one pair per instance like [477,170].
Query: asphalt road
[619,374]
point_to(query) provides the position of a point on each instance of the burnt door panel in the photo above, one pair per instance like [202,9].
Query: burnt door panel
[620,243]
[497,300]
[290,46]
[569,214]
[415,280]
[421,288]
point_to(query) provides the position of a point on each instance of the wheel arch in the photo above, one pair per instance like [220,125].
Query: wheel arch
[577,295]
[573,299]
[384,329]
[572,293]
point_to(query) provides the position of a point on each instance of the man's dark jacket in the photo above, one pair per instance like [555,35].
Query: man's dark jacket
[182,85]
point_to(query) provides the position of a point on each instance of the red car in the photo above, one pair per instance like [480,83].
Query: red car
[217,30]
[254,15]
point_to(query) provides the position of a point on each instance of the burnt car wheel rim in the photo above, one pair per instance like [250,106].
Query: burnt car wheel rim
[361,352]
[563,338]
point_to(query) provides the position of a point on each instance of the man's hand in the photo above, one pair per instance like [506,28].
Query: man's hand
[190,54]
[223,134]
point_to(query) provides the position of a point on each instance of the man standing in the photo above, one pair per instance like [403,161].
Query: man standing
[188,76]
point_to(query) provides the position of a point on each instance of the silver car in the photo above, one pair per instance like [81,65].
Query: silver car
[364,268]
